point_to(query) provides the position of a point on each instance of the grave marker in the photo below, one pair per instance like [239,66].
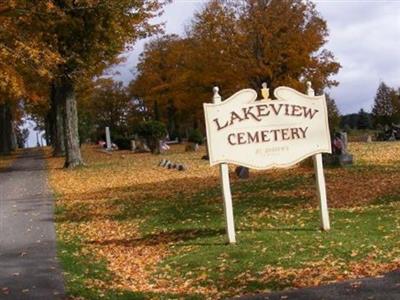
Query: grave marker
[108,139]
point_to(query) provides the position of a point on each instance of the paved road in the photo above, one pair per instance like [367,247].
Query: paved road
[383,288]
[28,267]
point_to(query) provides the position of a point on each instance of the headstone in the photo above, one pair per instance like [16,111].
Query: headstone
[242,172]
[181,167]
[340,155]
[108,138]
[164,146]
[133,145]
[141,146]
[192,147]
[369,139]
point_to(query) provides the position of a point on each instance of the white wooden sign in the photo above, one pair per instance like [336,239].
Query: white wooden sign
[267,133]
[262,134]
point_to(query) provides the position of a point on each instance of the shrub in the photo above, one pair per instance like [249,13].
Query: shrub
[123,143]
[152,132]
[196,137]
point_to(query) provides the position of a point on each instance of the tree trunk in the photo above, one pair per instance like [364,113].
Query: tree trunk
[5,130]
[57,106]
[71,133]
[13,136]
[48,130]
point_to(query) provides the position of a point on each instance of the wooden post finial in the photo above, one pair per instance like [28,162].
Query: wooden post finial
[217,97]
[310,90]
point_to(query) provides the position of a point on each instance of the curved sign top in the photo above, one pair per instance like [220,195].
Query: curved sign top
[263,134]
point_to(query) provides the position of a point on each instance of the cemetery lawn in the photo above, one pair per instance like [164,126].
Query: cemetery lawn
[128,229]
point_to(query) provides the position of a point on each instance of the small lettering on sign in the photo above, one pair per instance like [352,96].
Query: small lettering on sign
[271,151]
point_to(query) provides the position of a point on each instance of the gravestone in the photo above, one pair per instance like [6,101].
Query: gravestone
[165,163]
[181,167]
[192,147]
[141,146]
[162,162]
[133,145]
[340,155]
[242,172]
[108,139]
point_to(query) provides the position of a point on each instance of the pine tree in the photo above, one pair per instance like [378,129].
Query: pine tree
[333,113]
[383,109]
[363,120]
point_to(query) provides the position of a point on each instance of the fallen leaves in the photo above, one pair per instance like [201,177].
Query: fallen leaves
[94,202]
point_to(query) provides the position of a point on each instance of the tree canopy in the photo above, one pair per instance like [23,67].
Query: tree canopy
[234,45]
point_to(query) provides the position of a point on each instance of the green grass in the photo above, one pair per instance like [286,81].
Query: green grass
[274,229]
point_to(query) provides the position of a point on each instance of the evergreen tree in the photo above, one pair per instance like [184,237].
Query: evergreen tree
[383,109]
[396,106]
[333,113]
[363,120]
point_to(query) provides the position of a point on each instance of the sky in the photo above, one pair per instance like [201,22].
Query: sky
[364,37]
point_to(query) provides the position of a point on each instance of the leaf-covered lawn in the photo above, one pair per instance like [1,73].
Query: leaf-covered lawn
[129,229]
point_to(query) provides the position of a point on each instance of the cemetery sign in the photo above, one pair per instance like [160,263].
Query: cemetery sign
[262,134]
[265,134]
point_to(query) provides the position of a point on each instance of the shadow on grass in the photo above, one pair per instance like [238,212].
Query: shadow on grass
[175,236]
[202,203]
[387,199]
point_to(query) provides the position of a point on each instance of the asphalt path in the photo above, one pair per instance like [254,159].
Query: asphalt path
[28,264]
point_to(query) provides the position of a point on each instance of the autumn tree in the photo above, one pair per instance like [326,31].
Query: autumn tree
[23,49]
[111,106]
[89,37]
[283,44]
[161,80]
[240,44]
[26,61]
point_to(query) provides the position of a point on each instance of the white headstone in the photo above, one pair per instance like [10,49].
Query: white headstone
[133,145]
[108,138]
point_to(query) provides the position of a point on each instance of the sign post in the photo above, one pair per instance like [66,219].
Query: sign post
[267,134]
[320,179]
[226,188]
